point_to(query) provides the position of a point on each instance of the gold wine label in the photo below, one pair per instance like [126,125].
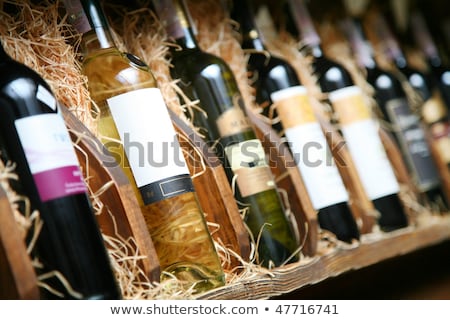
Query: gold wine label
[433,109]
[248,162]
[349,105]
[293,107]
[232,121]
[254,180]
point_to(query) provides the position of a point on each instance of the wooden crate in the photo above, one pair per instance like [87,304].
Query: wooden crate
[320,259]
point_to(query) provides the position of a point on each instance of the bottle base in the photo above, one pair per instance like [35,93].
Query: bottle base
[339,220]
[392,214]
[195,276]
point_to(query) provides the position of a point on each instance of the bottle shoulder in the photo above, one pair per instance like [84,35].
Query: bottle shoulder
[14,70]
[111,72]
[195,59]
[331,74]
[197,63]
[25,91]
[272,73]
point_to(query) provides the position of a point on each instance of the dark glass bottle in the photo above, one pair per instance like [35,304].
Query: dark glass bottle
[133,111]
[224,123]
[436,108]
[36,139]
[276,82]
[358,126]
[433,111]
[425,42]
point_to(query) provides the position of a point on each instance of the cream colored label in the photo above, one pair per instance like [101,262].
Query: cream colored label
[293,107]
[370,159]
[309,147]
[349,105]
[316,165]
[433,109]
[248,162]
[365,146]
[232,121]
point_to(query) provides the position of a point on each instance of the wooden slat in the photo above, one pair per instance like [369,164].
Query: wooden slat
[288,178]
[127,219]
[214,193]
[17,276]
[374,248]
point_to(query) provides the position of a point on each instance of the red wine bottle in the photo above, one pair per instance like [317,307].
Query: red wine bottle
[36,139]
[276,82]
[223,121]
[358,126]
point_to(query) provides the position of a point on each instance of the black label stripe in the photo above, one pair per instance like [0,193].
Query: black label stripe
[166,188]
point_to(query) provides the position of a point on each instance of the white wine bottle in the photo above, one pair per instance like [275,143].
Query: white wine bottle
[135,126]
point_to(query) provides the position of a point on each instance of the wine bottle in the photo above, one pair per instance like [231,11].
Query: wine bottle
[425,42]
[135,126]
[358,126]
[224,123]
[432,111]
[434,88]
[277,83]
[435,110]
[34,137]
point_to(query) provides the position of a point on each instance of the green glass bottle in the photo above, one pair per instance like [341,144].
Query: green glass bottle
[223,121]
[135,126]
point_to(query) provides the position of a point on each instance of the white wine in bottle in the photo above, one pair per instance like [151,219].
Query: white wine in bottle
[135,126]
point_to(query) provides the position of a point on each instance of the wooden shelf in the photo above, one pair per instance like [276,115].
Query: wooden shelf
[328,263]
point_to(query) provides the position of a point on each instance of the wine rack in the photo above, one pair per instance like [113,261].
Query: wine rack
[322,259]
[322,256]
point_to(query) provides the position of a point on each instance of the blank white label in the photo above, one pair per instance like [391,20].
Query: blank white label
[148,135]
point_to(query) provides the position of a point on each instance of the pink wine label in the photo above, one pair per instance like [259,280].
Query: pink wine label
[50,155]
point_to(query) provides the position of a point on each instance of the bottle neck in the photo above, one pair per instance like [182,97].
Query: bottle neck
[354,30]
[88,18]
[389,43]
[302,21]
[177,22]
[424,39]
[242,13]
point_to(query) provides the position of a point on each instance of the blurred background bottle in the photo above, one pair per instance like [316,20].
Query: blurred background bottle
[357,124]
[408,127]
[276,81]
